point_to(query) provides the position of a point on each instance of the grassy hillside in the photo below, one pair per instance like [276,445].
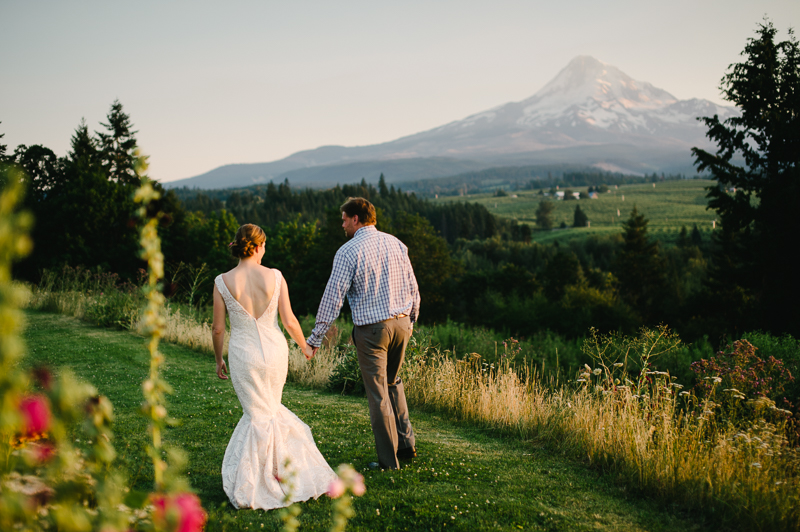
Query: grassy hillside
[466,477]
[669,205]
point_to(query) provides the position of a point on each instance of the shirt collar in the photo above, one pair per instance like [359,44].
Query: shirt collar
[364,230]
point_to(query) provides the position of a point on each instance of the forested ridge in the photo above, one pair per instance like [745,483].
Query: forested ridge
[473,267]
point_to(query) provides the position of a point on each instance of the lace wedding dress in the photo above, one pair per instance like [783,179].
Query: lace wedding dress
[269,442]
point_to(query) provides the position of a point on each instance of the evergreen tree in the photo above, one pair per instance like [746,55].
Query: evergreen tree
[544,215]
[683,237]
[757,201]
[382,188]
[579,219]
[117,146]
[561,271]
[82,146]
[3,147]
[638,267]
[697,236]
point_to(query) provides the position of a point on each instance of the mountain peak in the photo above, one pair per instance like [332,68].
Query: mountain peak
[587,87]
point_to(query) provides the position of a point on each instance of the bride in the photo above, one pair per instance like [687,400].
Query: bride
[271,460]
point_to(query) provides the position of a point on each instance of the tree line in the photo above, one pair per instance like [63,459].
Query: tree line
[474,267]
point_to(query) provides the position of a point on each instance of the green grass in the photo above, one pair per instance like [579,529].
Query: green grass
[466,478]
[669,205]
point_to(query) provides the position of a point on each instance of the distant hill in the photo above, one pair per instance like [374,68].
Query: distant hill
[591,113]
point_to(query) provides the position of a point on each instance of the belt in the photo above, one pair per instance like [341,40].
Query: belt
[400,316]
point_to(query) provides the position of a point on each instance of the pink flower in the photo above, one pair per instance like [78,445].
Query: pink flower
[178,513]
[42,452]
[358,488]
[35,414]
[336,489]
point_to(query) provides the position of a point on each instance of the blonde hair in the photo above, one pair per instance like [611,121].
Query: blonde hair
[248,238]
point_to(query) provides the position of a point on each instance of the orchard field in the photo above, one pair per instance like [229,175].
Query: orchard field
[669,205]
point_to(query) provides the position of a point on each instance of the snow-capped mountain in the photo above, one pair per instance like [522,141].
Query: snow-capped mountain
[587,106]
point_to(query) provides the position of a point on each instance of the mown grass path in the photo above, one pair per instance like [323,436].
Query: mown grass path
[464,479]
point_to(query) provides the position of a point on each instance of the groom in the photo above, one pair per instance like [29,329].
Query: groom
[372,269]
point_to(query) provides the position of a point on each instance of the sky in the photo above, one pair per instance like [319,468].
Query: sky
[214,83]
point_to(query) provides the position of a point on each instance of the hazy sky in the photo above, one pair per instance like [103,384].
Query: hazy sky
[212,83]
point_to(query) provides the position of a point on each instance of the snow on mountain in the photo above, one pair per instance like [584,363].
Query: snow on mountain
[589,96]
[589,104]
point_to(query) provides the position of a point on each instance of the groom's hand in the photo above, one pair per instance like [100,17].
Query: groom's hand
[314,351]
[307,352]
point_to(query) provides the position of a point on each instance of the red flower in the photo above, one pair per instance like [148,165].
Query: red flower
[35,413]
[43,452]
[178,513]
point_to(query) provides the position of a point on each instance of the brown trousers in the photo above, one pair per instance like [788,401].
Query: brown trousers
[381,348]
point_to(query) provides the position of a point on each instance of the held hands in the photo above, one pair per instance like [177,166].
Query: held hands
[222,369]
[309,352]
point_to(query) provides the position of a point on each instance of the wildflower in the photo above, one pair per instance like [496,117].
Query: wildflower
[36,414]
[716,380]
[682,394]
[757,465]
[597,371]
[41,452]
[347,479]
[677,386]
[587,367]
[336,489]
[581,380]
[182,512]
[618,364]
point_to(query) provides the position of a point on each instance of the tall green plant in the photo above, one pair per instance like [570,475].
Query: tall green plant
[175,507]
[46,482]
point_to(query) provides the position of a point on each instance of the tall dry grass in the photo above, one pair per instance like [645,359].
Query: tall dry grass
[80,294]
[644,431]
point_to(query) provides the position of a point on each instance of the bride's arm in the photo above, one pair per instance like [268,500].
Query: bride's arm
[218,333]
[290,321]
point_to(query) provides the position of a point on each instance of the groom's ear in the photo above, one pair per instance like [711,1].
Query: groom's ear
[355,219]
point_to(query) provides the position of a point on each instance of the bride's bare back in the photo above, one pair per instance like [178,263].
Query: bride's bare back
[252,286]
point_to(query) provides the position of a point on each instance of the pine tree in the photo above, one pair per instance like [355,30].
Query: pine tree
[382,188]
[3,147]
[117,146]
[756,202]
[683,237]
[697,236]
[579,219]
[544,215]
[83,146]
[639,268]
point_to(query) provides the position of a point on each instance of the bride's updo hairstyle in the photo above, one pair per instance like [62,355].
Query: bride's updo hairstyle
[248,238]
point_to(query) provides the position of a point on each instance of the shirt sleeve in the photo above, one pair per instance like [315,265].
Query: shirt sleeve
[332,300]
[412,281]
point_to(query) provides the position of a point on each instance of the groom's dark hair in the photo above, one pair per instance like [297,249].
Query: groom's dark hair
[361,207]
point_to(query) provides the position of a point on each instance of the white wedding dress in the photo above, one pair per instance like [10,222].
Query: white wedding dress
[269,442]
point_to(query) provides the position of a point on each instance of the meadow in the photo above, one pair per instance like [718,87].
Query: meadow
[465,478]
[669,205]
[620,429]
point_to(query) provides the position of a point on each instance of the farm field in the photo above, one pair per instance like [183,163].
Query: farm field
[669,206]
[466,478]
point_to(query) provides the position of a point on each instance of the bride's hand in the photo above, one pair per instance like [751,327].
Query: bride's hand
[308,352]
[222,369]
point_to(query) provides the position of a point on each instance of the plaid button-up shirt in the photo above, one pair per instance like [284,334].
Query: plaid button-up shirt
[372,269]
